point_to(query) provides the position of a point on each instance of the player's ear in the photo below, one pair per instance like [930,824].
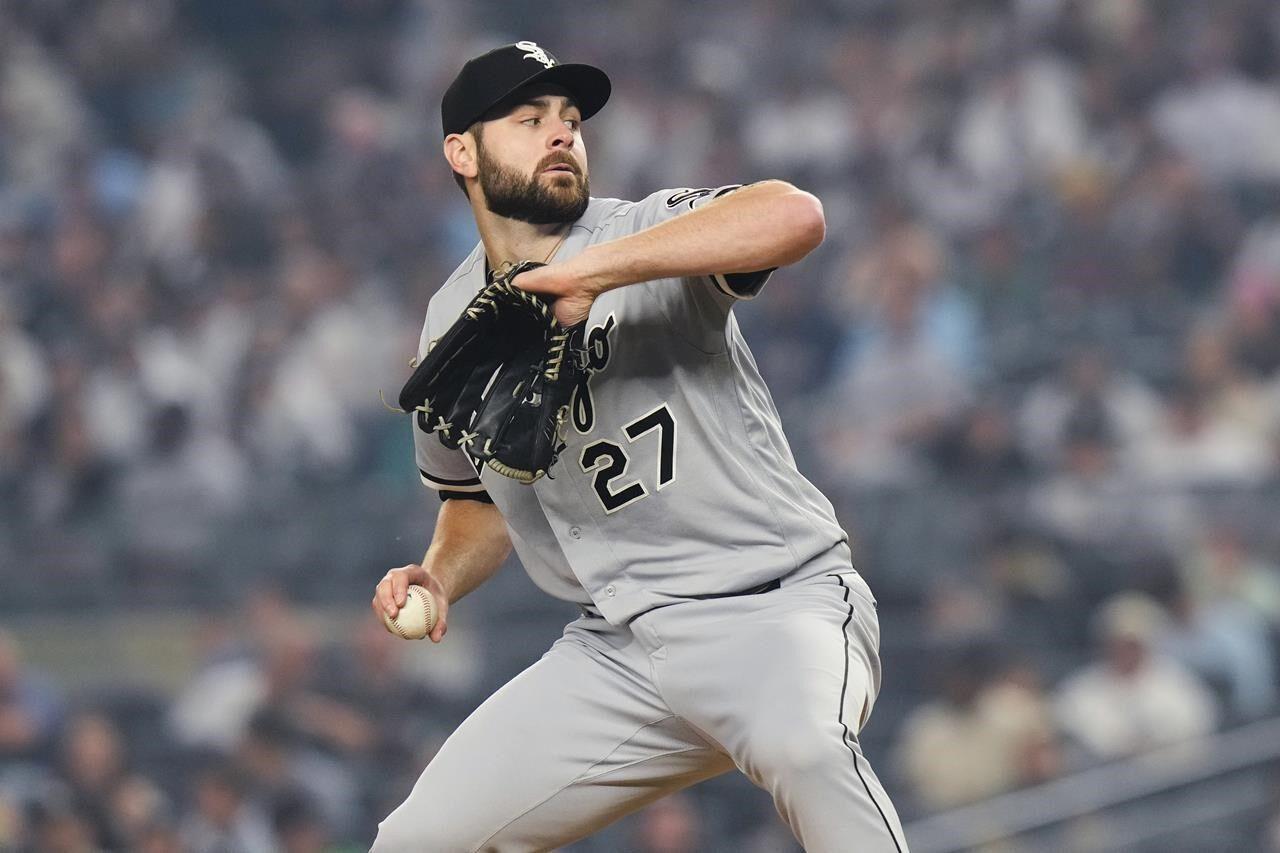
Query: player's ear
[460,151]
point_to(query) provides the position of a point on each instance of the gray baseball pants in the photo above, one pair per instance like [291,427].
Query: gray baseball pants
[612,718]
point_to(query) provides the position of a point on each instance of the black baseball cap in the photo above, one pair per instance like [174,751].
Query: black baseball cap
[489,79]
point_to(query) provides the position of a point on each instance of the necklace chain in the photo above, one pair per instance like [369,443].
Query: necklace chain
[556,247]
[508,264]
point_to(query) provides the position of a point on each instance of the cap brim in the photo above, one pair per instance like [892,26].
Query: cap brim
[589,86]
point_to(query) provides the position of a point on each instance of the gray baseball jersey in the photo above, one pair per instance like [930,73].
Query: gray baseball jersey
[676,480]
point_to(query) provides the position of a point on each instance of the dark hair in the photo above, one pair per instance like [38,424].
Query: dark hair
[476,130]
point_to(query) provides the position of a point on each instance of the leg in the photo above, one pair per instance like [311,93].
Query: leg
[568,746]
[783,682]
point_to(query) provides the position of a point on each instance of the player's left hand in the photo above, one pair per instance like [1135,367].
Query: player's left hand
[573,293]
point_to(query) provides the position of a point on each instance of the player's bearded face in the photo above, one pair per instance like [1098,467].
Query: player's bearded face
[540,199]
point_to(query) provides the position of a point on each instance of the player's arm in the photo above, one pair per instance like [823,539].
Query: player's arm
[469,544]
[760,226]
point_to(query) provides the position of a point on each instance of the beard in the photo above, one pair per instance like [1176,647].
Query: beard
[528,199]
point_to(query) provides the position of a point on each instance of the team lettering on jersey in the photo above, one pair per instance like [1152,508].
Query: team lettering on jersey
[597,350]
[690,196]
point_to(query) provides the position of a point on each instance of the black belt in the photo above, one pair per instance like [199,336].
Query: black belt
[767,586]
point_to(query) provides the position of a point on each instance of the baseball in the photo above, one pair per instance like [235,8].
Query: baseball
[416,618]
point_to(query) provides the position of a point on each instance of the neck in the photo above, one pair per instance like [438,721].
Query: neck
[511,240]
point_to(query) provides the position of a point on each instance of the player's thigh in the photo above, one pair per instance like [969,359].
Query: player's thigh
[571,744]
[766,670]
[783,682]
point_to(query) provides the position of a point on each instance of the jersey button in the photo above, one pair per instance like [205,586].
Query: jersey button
[575,532]
[610,590]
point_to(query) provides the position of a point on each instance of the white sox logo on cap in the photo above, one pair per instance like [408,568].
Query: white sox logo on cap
[537,54]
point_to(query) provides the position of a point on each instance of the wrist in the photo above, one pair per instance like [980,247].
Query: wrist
[432,579]
[590,275]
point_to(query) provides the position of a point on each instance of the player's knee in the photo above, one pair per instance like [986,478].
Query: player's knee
[798,746]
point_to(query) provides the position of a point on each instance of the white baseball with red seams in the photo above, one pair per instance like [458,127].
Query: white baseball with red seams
[416,618]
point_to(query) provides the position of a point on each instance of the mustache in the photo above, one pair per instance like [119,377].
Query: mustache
[559,159]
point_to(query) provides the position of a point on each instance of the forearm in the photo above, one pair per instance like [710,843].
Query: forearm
[469,545]
[765,225]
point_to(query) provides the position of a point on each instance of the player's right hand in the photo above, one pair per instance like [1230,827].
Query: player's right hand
[390,594]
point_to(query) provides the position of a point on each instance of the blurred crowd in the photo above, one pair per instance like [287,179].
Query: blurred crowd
[1036,365]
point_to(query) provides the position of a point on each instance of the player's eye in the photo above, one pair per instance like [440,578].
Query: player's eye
[534,119]
[573,123]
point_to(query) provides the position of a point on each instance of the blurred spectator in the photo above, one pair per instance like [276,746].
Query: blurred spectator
[1093,501]
[901,286]
[57,828]
[24,388]
[1086,259]
[269,664]
[1230,395]
[339,339]
[1224,642]
[1222,567]
[1086,379]
[906,376]
[279,766]
[981,450]
[70,478]
[959,610]
[671,825]
[1176,229]
[160,838]
[139,812]
[299,828]
[93,764]
[1133,697]
[1025,121]
[1253,299]
[990,731]
[223,818]
[172,501]
[794,338]
[214,707]
[1228,124]
[31,708]
[1195,446]
[1035,583]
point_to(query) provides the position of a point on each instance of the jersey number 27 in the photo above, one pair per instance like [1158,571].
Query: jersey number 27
[609,461]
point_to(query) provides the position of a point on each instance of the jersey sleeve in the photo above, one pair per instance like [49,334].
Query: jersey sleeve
[670,203]
[448,471]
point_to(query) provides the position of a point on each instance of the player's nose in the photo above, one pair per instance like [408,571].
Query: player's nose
[563,136]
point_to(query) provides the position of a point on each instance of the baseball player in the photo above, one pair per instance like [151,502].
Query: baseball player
[723,625]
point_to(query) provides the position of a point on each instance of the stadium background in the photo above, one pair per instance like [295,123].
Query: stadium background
[1034,364]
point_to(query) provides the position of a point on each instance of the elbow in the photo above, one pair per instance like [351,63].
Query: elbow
[804,223]
[811,222]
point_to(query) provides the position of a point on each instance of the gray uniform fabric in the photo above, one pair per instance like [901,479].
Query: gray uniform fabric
[677,479]
[611,718]
[676,484]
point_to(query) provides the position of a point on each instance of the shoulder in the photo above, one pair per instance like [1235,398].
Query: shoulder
[459,288]
[603,212]
[465,276]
